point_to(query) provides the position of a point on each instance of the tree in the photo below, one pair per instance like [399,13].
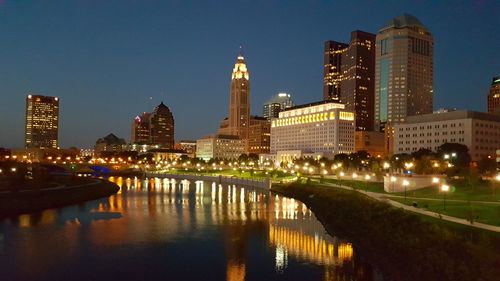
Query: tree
[456,153]
[487,165]
[422,152]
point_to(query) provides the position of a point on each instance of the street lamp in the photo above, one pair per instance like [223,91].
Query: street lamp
[405,184]
[435,180]
[444,188]
[497,178]
[367,178]
[393,180]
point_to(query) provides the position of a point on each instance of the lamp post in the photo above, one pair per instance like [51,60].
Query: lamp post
[405,184]
[497,178]
[444,188]
[393,180]
[367,178]
[341,174]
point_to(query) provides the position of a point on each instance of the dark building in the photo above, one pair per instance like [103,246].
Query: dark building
[42,122]
[141,129]
[109,143]
[162,127]
[350,76]
[332,74]
[494,96]
[277,103]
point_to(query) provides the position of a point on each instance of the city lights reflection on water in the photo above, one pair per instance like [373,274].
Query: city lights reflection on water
[248,232]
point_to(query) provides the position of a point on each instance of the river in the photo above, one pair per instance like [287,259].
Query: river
[161,229]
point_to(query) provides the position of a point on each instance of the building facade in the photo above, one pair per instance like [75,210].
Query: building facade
[371,142]
[42,122]
[189,146]
[259,135]
[349,76]
[323,127]
[494,96]
[162,127]
[238,120]
[109,143]
[141,133]
[480,132]
[403,71]
[332,73]
[277,103]
[220,147]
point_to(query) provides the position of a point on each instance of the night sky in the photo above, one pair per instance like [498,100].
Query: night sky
[105,59]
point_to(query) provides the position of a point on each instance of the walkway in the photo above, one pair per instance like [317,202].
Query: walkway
[384,198]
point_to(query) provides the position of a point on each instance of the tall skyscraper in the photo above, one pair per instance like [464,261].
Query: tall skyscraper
[350,76]
[239,102]
[42,122]
[162,127]
[141,129]
[403,71]
[332,73]
[276,104]
[494,96]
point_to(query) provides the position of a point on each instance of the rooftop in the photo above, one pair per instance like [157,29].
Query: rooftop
[452,115]
[403,21]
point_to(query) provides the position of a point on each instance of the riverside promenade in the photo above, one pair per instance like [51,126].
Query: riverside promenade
[263,184]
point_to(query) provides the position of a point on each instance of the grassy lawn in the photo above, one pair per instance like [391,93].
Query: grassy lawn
[460,190]
[481,212]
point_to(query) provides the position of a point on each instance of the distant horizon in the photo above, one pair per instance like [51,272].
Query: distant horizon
[109,62]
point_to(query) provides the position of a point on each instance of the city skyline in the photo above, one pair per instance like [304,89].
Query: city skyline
[104,77]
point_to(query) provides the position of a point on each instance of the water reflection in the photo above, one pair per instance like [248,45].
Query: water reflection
[164,211]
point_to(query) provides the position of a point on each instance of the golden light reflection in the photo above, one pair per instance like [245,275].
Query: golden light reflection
[311,248]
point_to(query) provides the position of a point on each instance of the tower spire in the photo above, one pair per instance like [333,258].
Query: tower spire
[240,52]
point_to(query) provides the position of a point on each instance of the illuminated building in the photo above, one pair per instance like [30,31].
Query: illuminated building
[276,104]
[332,73]
[259,135]
[324,127]
[239,102]
[109,143]
[371,142]
[403,71]
[141,129]
[220,146]
[494,96]
[188,146]
[42,122]
[477,130]
[349,76]
[162,127]
[165,154]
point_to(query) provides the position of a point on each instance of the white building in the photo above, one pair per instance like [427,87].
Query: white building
[480,132]
[220,146]
[322,129]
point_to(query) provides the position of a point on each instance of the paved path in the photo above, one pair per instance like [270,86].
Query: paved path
[384,198]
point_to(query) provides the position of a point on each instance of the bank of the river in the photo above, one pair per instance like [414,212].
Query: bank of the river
[401,243]
[12,204]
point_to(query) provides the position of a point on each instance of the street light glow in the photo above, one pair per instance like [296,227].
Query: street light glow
[445,188]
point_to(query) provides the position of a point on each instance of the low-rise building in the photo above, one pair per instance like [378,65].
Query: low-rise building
[324,128]
[371,142]
[162,155]
[479,131]
[109,143]
[189,146]
[220,147]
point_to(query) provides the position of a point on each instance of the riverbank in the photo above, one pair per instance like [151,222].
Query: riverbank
[401,243]
[28,201]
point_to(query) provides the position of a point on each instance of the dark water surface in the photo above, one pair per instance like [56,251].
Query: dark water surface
[177,230]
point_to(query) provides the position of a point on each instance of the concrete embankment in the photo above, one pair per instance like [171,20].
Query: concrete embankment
[28,201]
[398,242]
